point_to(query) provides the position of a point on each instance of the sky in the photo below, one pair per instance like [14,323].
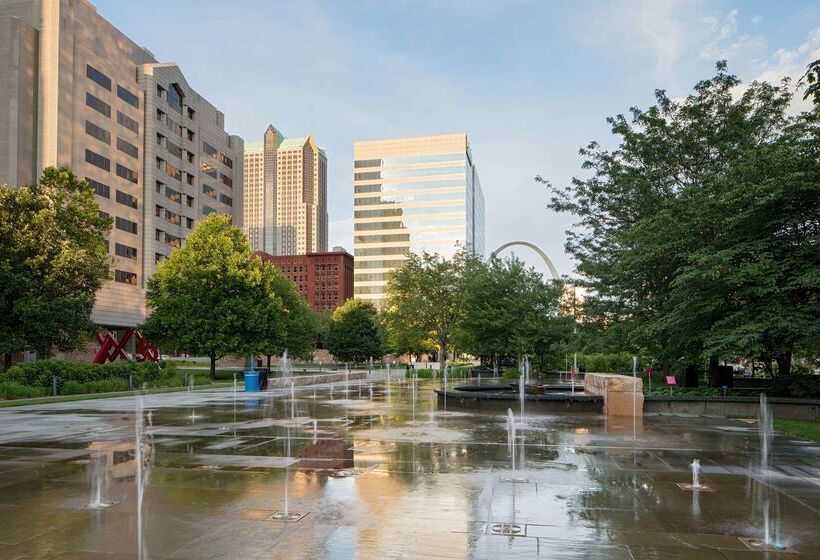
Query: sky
[529,82]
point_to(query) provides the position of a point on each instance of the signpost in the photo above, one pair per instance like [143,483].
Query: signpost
[670,380]
[649,372]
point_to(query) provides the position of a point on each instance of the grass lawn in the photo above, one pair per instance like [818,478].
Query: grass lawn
[807,429]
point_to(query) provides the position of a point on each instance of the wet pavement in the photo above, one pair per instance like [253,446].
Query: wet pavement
[390,476]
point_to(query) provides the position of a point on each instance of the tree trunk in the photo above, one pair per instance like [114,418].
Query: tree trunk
[784,363]
[767,364]
[667,369]
[212,373]
[714,375]
[442,355]
[6,361]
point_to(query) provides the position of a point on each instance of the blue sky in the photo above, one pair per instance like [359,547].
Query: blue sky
[530,82]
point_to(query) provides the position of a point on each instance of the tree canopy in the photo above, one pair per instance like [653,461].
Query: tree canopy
[209,297]
[53,259]
[354,333]
[697,234]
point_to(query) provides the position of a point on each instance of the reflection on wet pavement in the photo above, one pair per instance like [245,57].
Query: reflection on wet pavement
[390,477]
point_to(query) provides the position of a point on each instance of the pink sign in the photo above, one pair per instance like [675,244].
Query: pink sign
[670,380]
[649,371]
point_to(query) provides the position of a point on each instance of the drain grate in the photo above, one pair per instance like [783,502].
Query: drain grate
[691,488]
[287,517]
[514,480]
[759,544]
[508,529]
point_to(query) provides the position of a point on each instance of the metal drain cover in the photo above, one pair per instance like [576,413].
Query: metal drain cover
[287,517]
[514,479]
[759,544]
[509,529]
[691,488]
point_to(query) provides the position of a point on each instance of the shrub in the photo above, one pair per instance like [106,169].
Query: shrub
[14,390]
[797,386]
[39,373]
[511,373]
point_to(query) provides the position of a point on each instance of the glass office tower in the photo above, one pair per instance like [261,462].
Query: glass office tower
[412,195]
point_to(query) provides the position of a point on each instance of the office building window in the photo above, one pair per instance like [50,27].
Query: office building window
[209,169]
[189,200]
[208,190]
[226,200]
[173,195]
[226,160]
[189,223]
[128,122]
[174,149]
[173,96]
[226,180]
[127,174]
[101,189]
[98,105]
[158,258]
[127,199]
[96,159]
[128,97]
[125,251]
[104,215]
[207,210]
[127,148]
[125,277]
[208,149]
[173,218]
[97,132]
[126,225]
[98,77]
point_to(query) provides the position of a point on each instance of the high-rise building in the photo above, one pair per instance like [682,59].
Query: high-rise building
[285,195]
[324,279]
[76,91]
[412,195]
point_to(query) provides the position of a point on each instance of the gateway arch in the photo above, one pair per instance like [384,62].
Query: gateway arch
[541,253]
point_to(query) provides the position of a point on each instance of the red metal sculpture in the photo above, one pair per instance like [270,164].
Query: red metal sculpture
[111,348]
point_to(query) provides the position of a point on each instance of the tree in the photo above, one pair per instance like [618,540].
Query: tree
[666,213]
[53,259]
[812,79]
[425,295]
[288,322]
[205,298]
[354,333]
[509,310]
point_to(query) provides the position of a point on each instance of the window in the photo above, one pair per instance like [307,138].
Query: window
[169,169]
[174,98]
[190,135]
[126,225]
[226,200]
[189,223]
[209,169]
[226,160]
[96,159]
[208,149]
[128,97]
[173,148]
[226,180]
[158,258]
[189,178]
[367,175]
[173,240]
[189,200]
[367,163]
[104,215]
[128,148]
[160,115]
[125,277]
[158,210]
[173,218]
[97,132]
[98,77]
[125,251]
[208,190]
[207,210]
[98,105]
[101,189]
[159,186]
[159,235]
[173,125]
[191,113]
[173,195]
[127,199]
[127,174]
[128,122]
[190,156]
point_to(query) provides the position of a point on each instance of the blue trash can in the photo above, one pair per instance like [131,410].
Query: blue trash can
[251,382]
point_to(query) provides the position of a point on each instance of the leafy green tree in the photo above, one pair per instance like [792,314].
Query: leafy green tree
[53,259]
[425,300]
[205,298]
[812,80]
[288,322]
[509,310]
[689,220]
[355,334]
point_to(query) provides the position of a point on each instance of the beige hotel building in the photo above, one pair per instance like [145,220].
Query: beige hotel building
[412,195]
[285,209]
[76,91]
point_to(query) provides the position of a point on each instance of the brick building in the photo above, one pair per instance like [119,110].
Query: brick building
[324,279]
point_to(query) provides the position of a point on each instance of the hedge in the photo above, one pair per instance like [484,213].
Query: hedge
[39,373]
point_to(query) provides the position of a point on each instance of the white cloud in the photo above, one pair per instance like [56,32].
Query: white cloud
[725,42]
[791,63]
